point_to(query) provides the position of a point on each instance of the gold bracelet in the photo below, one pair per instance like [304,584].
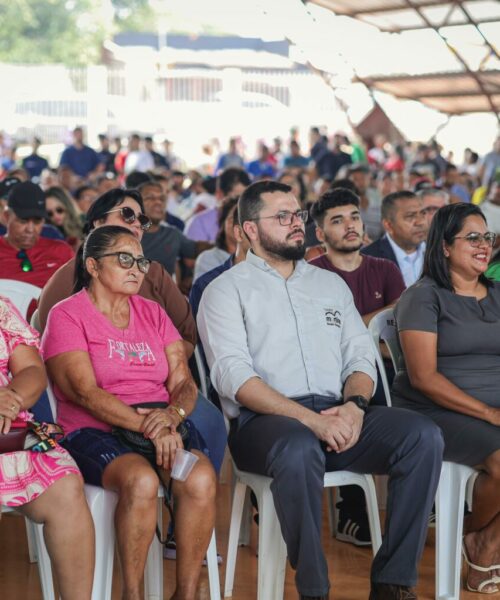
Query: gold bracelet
[180,411]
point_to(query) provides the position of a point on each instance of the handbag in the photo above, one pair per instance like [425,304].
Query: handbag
[30,435]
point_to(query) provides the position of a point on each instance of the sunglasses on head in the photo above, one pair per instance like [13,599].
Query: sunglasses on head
[25,264]
[127,260]
[59,210]
[129,216]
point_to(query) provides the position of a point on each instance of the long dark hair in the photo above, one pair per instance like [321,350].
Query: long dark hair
[98,242]
[225,211]
[98,210]
[446,224]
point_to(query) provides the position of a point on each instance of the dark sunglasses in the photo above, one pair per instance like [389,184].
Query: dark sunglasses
[25,264]
[59,210]
[127,260]
[129,216]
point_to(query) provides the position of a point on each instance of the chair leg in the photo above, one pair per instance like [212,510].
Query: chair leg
[272,550]
[332,512]
[372,508]
[30,535]
[450,499]
[234,532]
[213,569]
[44,564]
[102,506]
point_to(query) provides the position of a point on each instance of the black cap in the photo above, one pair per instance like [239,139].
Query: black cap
[27,201]
[6,186]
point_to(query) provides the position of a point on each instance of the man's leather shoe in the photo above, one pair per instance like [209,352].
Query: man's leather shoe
[386,591]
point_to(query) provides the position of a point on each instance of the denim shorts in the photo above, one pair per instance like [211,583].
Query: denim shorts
[93,450]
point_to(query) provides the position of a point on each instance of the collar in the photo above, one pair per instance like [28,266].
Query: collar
[401,255]
[260,263]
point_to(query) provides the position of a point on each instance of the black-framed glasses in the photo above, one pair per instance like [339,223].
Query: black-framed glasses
[25,264]
[476,239]
[127,260]
[286,218]
[129,216]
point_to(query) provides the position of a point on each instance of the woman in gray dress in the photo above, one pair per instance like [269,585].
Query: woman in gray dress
[449,330]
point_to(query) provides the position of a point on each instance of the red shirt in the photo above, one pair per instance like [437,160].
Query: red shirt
[46,256]
[376,283]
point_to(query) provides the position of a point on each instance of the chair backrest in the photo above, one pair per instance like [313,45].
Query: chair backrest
[383,327]
[200,365]
[19,293]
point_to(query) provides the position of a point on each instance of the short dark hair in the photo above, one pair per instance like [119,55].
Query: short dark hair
[250,202]
[150,183]
[346,184]
[230,177]
[81,190]
[389,202]
[225,211]
[445,226]
[134,179]
[332,199]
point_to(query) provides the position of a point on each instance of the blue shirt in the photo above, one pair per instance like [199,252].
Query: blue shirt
[410,264]
[201,283]
[80,160]
[35,164]
[258,169]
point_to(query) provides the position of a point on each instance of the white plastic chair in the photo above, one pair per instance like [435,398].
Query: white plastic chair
[272,549]
[102,504]
[19,293]
[455,483]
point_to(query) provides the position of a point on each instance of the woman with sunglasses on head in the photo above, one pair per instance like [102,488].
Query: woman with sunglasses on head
[448,326]
[44,486]
[108,349]
[63,214]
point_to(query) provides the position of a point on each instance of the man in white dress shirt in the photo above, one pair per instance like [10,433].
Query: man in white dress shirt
[294,367]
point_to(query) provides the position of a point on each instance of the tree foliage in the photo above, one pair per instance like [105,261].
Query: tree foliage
[51,31]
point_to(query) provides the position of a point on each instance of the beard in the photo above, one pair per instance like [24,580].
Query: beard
[334,245]
[280,249]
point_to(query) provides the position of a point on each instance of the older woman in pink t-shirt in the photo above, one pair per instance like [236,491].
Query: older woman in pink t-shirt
[108,349]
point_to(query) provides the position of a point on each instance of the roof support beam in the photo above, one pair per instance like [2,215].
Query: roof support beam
[458,56]
[471,21]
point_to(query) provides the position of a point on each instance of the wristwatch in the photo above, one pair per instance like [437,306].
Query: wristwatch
[360,401]
[180,411]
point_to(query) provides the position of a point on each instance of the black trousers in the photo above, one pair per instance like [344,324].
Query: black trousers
[396,442]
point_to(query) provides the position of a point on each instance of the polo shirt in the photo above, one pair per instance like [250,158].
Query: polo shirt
[46,256]
[301,335]
[35,164]
[376,283]
[204,226]
[166,246]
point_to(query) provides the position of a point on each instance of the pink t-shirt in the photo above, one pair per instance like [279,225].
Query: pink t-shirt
[128,363]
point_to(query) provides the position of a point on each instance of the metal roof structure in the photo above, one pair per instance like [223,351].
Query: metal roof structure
[473,87]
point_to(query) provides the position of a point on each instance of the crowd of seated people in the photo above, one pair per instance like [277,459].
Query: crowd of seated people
[285,258]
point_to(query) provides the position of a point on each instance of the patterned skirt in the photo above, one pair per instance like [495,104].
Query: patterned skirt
[26,475]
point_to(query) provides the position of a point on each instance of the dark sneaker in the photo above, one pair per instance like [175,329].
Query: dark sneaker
[313,597]
[386,591]
[352,526]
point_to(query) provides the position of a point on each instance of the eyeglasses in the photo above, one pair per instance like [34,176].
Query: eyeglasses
[59,210]
[25,264]
[476,239]
[285,217]
[127,260]
[129,216]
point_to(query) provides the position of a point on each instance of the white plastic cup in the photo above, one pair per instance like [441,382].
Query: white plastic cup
[184,462]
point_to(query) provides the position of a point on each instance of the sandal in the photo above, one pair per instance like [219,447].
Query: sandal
[485,582]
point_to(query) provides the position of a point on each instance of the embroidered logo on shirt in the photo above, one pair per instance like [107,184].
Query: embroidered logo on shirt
[378,295]
[332,317]
[136,353]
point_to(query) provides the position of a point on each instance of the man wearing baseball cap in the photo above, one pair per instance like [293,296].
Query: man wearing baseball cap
[24,254]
